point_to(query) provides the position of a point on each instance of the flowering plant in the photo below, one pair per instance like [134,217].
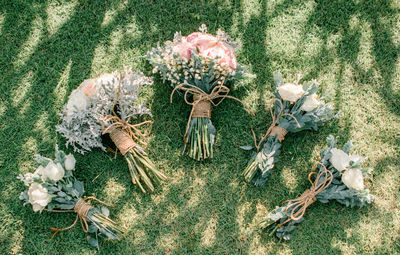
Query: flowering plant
[201,67]
[108,105]
[296,108]
[53,187]
[339,177]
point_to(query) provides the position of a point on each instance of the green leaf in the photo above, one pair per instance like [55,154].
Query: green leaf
[66,206]
[246,147]
[78,185]
[105,211]
[92,228]
[93,241]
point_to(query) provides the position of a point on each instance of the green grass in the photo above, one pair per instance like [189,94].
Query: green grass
[48,47]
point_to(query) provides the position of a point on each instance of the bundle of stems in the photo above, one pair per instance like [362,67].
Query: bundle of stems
[142,169]
[199,139]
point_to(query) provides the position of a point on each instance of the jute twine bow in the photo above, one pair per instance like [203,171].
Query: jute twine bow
[298,206]
[202,102]
[273,128]
[81,209]
[124,135]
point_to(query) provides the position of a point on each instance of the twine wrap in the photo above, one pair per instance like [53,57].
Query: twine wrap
[278,131]
[202,102]
[122,140]
[81,209]
[298,206]
[274,129]
[202,108]
[122,133]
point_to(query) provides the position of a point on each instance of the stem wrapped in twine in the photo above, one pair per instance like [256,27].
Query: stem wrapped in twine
[273,128]
[202,102]
[298,206]
[81,209]
[122,133]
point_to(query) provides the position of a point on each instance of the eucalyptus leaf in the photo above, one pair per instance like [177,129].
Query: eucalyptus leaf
[93,241]
[246,147]
[105,211]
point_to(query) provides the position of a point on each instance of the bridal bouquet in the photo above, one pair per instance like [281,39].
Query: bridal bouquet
[202,68]
[109,105]
[339,178]
[53,187]
[296,108]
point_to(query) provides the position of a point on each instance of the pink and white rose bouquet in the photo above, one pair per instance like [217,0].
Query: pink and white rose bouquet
[201,67]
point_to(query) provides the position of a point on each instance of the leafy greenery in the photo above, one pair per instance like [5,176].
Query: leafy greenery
[352,47]
[293,119]
[278,220]
[65,194]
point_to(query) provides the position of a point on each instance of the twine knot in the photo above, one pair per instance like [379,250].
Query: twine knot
[81,209]
[278,131]
[274,129]
[203,102]
[124,135]
[297,207]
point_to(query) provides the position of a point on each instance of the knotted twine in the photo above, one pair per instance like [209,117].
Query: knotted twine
[81,209]
[203,102]
[122,133]
[273,129]
[298,206]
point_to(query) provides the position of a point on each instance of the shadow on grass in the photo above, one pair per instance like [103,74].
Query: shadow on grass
[340,18]
[206,208]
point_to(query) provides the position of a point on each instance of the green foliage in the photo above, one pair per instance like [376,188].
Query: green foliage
[351,47]
[293,119]
[65,194]
[278,221]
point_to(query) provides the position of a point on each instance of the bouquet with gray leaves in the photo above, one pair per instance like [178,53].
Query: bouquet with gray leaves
[53,187]
[108,105]
[339,178]
[296,108]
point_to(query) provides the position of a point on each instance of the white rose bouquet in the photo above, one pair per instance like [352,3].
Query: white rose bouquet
[339,177]
[53,187]
[108,105]
[201,67]
[296,108]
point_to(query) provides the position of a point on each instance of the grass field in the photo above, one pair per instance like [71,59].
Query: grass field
[47,48]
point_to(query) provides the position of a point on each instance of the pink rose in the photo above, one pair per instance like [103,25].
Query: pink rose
[183,48]
[207,46]
[88,87]
[202,41]
[223,52]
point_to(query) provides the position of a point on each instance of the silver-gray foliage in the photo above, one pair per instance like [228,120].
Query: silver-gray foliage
[83,129]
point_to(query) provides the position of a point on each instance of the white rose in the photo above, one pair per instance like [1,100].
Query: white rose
[69,162]
[54,172]
[353,179]
[38,196]
[77,101]
[310,103]
[340,160]
[290,92]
